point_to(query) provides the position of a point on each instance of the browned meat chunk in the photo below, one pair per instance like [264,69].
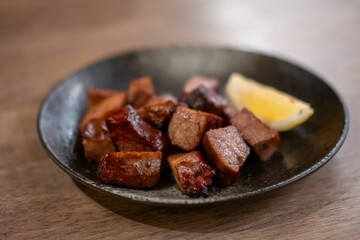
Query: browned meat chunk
[130,169]
[105,108]
[197,81]
[226,151]
[131,133]
[187,127]
[167,97]
[257,134]
[96,140]
[228,112]
[154,99]
[191,172]
[161,98]
[140,92]
[158,115]
[96,95]
[207,100]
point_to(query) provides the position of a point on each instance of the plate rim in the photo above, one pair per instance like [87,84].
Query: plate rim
[190,201]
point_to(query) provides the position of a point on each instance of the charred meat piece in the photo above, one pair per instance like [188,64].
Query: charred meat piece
[96,140]
[154,99]
[207,100]
[191,172]
[228,112]
[167,97]
[197,81]
[187,127]
[130,169]
[226,151]
[158,115]
[161,98]
[140,92]
[131,133]
[105,108]
[257,134]
[96,95]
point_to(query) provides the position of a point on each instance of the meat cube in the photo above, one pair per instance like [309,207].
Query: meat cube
[227,113]
[257,134]
[154,99]
[207,100]
[158,115]
[105,108]
[226,151]
[131,133]
[96,95]
[96,140]
[197,81]
[187,127]
[140,92]
[159,99]
[130,169]
[192,174]
[167,97]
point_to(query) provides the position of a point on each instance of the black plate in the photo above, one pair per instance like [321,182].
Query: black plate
[303,149]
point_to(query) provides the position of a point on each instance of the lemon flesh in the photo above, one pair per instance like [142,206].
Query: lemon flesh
[277,109]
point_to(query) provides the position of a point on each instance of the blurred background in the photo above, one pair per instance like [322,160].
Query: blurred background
[66,35]
[42,42]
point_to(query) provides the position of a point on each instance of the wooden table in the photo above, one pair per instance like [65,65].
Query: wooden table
[43,41]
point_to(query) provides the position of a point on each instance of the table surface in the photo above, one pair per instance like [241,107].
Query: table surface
[43,41]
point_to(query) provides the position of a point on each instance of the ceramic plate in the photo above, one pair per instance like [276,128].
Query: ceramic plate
[303,149]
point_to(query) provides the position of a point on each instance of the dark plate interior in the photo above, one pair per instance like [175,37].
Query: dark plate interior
[303,149]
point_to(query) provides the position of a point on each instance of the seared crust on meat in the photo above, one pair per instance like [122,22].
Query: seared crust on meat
[96,140]
[104,108]
[226,151]
[192,174]
[158,115]
[96,95]
[207,100]
[196,81]
[167,97]
[140,92]
[131,133]
[130,169]
[187,127]
[257,134]
[159,99]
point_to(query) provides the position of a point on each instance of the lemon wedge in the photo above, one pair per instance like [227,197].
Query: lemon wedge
[277,109]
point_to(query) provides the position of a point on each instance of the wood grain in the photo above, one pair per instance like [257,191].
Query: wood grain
[43,41]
